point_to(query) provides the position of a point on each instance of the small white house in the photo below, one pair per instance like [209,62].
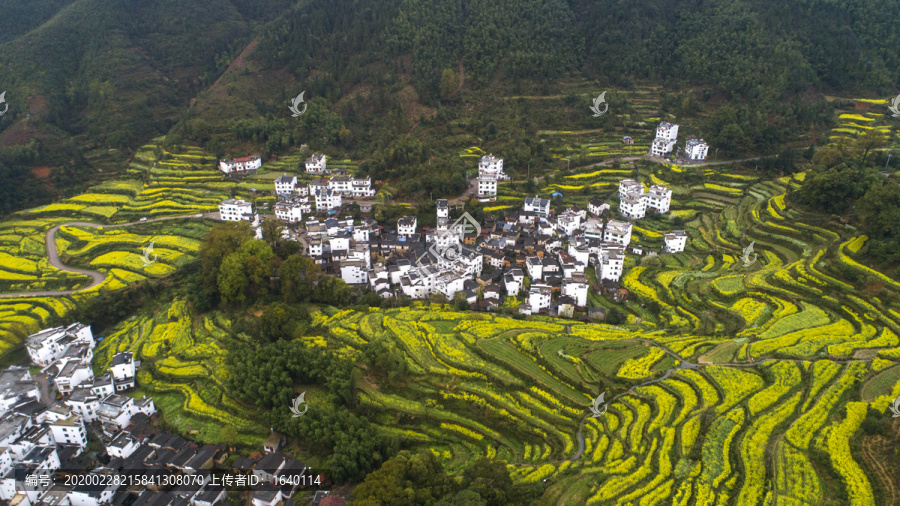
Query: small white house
[576,287]
[354,272]
[316,164]
[236,210]
[289,210]
[240,164]
[630,187]
[539,297]
[618,232]
[69,431]
[285,185]
[540,207]
[123,370]
[696,149]
[675,241]
[328,199]
[406,226]
[666,136]
[659,197]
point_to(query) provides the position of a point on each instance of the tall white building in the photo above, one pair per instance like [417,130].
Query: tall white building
[618,232]
[48,345]
[285,185]
[236,210]
[611,258]
[490,170]
[630,186]
[540,207]
[406,226]
[696,149]
[316,164]
[675,241]
[290,211]
[659,197]
[664,143]
[327,199]
[633,207]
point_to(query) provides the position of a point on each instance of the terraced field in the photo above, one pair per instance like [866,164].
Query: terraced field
[183,370]
[165,185]
[484,385]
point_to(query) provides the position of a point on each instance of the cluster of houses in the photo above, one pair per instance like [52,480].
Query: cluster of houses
[535,254]
[666,137]
[43,439]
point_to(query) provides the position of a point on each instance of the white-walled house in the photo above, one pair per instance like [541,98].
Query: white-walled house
[659,198]
[406,226]
[675,241]
[290,211]
[540,207]
[633,206]
[664,143]
[597,206]
[328,199]
[285,184]
[354,272]
[539,297]
[16,384]
[115,411]
[236,210]
[487,186]
[69,431]
[316,164]
[240,164]
[612,261]
[48,345]
[696,149]
[618,232]
[354,187]
[630,187]
[123,370]
[576,287]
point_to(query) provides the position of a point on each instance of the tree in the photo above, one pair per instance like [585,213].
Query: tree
[271,232]
[491,480]
[298,275]
[449,84]
[405,479]
[868,141]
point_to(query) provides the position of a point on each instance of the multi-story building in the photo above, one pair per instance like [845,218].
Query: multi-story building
[611,259]
[316,164]
[618,232]
[675,241]
[659,197]
[240,164]
[327,199]
[696,149]
[540,207]
[406,226]
[666,135]
[123,369]
[576,287]
[630,187]
[290,211]
[69,431]
[285,185]
[48,345]
[236,210]
[539,297]
[633,206]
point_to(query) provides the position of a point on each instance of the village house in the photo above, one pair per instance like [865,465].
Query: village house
[659,198]
[696,149]
[47,346]
[240,164]
[540,207]
[666,136]
[316,164]
[290,211]
[675,241]
[236,210]
[618,232]
[327,199]
[285,185]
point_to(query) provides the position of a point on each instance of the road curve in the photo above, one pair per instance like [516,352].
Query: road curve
[96,277]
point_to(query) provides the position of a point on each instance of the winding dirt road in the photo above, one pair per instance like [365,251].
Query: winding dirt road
[96,277]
